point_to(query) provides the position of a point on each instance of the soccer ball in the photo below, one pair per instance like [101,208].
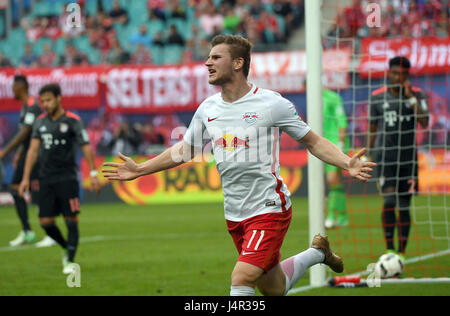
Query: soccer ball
[389,265]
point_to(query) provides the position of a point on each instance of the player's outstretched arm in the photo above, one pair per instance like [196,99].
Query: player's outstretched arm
[32,155]
[331,154]
[128,170]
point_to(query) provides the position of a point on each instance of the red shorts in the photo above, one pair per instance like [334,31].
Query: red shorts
[258,239]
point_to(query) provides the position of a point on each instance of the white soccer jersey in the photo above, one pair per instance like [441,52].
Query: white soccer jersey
[245,137]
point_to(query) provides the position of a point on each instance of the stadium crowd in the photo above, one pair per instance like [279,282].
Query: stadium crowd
[119,32]
[399,19]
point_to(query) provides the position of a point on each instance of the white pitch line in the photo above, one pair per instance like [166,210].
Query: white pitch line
[114,238]
[361,273]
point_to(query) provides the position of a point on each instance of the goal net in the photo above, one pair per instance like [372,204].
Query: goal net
[375,32]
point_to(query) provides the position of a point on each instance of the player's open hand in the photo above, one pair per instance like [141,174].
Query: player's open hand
[360,169]
[121,171]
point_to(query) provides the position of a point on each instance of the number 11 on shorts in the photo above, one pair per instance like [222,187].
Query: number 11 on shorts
[261,235]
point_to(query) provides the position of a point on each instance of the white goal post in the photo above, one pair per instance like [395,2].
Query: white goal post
[316,184]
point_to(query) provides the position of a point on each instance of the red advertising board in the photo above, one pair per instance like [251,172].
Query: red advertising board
[430,55]
[159,89]
[80,86]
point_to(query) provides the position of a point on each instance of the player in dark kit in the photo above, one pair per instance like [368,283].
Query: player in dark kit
[55,136]
[395,111]
[28,115]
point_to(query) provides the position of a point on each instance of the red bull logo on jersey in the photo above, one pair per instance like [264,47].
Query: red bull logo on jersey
[230,142]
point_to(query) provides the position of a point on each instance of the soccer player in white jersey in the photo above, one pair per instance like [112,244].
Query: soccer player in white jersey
[244,124]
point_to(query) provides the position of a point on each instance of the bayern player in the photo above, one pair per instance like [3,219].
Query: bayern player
[243,124]
[55,137]
[395,111]
[28,115]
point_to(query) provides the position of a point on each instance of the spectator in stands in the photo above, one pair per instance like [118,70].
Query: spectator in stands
[216,31]
[33,32]
[174,37]
[394,31]
[142,37]
[29,59]
[118,14]
[48,57]
[105,21]
[149,137]
[268,28]
[101,40]
[126,140]
[116,55]
[158,39]
[255,8]
[50,28]
[231,21]
[156,8]
[442,24]
[251,28]
[175,9]
[141,56]
[209,19]
[292,14]
[354,17]
[4,62]
[91,25]
[199,50]
[72,57]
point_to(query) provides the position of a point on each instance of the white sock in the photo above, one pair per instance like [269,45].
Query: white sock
[295,267]
[242,291]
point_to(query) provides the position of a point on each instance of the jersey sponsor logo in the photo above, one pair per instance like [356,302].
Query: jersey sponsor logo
[48,141]
[271,203]
[230,142]
[391,118]
[212,119]
[250,117]
[244,253]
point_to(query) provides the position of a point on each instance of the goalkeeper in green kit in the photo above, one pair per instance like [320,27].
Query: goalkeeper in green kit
[335,130]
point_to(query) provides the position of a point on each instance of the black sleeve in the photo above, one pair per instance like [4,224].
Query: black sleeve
[80,133]
[35,132]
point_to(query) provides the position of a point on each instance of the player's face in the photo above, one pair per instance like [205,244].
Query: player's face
[50,102]
[398,75]
[17,89]
[220,65]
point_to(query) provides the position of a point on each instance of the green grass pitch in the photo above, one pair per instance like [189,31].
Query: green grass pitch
[186,250]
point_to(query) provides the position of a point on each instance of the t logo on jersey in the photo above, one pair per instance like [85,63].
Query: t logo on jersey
[47,139]
[230,142]
[390,117]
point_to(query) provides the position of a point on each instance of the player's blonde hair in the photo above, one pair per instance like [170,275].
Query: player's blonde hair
[240,47]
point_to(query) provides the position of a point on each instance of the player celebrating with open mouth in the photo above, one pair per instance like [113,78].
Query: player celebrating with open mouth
[257,203]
